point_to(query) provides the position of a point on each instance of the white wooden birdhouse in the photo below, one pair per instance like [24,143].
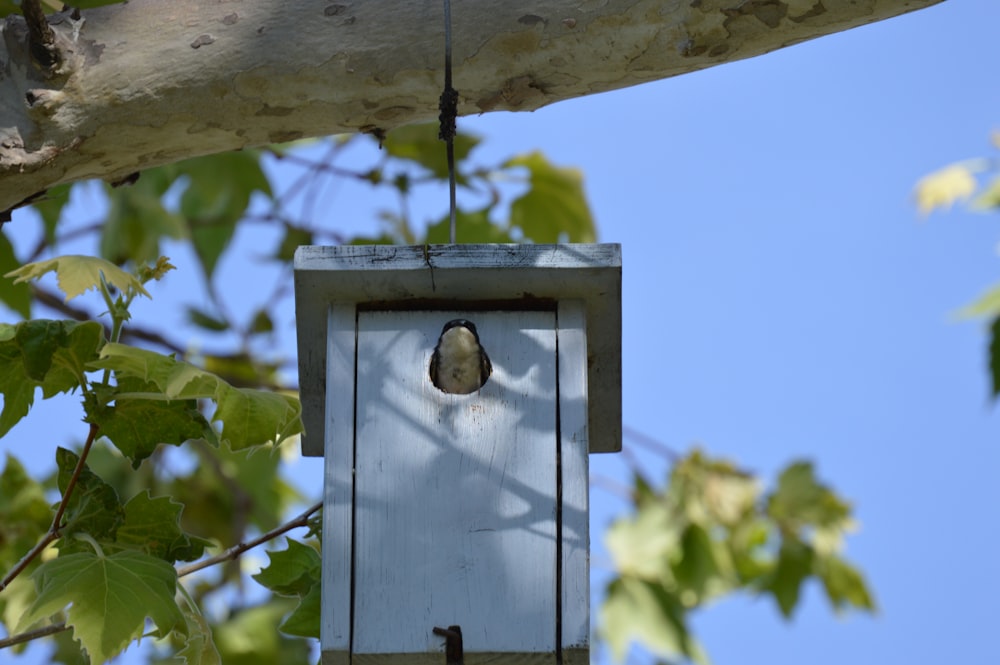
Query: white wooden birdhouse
[449,503]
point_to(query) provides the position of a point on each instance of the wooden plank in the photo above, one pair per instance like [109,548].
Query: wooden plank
[467,275]
[455,494]
[338,483]
[573,449]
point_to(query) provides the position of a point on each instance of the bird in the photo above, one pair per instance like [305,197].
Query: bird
[459,364]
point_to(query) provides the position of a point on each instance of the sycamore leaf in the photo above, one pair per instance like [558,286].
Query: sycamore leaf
[218,192]
[995,355]
[291,572]
[555,207]
[137,426]
[942,188]
[304,619]
[844,584]
[50,355]
[153,525]
[643,544]
[93,508]
[137,220]
[25,513]
[794,564]
[638,610]
[199,647]
[76,274]
[13,294]
[801,500]
[110,598]
[249,417]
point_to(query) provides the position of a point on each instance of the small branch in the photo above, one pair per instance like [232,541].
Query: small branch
[53,532]
[38,633]
[236,550]
[41,39]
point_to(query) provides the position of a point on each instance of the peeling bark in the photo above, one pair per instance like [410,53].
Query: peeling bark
[153,81]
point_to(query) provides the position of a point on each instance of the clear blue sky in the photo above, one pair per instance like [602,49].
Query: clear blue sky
[782,299]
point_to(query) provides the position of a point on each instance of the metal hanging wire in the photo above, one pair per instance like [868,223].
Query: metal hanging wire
[448,105]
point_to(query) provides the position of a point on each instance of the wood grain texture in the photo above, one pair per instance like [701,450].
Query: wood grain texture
[338,483]
[455,513]
[573,469]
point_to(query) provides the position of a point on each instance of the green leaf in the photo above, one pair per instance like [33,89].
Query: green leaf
[137,220]
[15,295]
[638,610]
[50,355]
[249,637]
[989,198]
[216,197]
[643,544]
[294,238]
[77,274]
[801,500]
[153,526]
[199,647]
[93,507]
[844,584]
[291,572]
[249,417]
[795,560]
[226,483]
[137,426]
[25,514]
[994,356]
[261,322]
[555,207]
[703,570]
[206,321]
[420,143]
[304,619]
[110,598]
[50,209]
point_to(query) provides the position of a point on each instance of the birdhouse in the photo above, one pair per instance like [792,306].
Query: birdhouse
[455,392]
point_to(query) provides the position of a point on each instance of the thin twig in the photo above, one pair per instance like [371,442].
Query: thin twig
[35,634]
[53,532]
[236,550]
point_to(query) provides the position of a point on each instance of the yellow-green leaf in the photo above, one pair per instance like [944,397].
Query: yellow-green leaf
[77,274]
[109,598]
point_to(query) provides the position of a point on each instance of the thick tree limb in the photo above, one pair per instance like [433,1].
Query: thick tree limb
[151,82]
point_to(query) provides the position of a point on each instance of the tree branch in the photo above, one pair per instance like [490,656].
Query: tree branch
[270,73]
[236,550]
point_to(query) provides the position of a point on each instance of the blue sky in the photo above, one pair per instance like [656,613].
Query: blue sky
[782,299]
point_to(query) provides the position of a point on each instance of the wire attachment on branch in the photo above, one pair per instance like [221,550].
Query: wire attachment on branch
[41,38]
[448,106]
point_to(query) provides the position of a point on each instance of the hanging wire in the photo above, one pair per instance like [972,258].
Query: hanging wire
[448,106]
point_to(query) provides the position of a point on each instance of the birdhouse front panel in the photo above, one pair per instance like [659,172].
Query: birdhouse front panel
[455,494]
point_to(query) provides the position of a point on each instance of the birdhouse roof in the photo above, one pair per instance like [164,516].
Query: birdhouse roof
[480,276]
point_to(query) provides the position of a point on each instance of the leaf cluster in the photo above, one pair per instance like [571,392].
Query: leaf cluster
[711,530]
